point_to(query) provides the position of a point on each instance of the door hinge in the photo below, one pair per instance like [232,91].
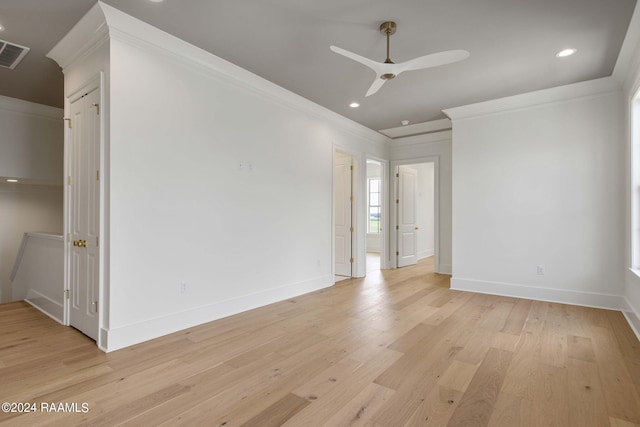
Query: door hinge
[397,253]
[69,180]
[397,201]
[68,237]
[351,229]
[97,241]
[397,227]
[351,260]
[352,198]
[397,175]
[351,167]
[97,108]
[98,175]
[68,120]
[67,293]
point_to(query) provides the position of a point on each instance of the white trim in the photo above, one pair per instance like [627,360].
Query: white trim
[426,254]
[532,100]
[48,308]
[445,269]
[633,317]
[30,108]
[628,55]
[416,140]
[563,296]
[136,333]
[417,129]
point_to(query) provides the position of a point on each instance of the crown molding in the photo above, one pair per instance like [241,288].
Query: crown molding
[535,99]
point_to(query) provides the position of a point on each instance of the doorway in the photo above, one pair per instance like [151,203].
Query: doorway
[343,215]
[374,215]
[416,213]
[83,211]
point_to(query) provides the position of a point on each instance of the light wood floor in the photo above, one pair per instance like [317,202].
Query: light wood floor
[395,349]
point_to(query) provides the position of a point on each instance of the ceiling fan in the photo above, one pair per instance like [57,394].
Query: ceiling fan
[387,70]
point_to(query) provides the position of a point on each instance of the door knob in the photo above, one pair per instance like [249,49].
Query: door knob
[417,228]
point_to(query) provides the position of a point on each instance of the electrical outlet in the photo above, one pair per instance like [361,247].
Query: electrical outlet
[183,287]
[540,270]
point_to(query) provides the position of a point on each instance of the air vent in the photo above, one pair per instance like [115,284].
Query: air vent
[11,54]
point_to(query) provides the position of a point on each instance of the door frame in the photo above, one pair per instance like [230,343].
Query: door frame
[96,82]
[393,242]
[359,212]
[384,212]
[352,206]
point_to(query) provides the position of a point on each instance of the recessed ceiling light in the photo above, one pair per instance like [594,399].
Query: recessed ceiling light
[405,122]
[566,52]
[12,180]
[354,105]
[156,1]
[1,27]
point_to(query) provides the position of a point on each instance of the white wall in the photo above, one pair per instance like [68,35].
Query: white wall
[425,209]
[31,142]
[216,178]
[537,181]
[24,208]
[434,145]
[628,73]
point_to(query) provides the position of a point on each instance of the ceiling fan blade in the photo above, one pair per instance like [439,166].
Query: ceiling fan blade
[432,60]
[377,84]
[375,66]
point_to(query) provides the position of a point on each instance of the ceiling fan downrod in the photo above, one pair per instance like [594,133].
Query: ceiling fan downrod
[388,28]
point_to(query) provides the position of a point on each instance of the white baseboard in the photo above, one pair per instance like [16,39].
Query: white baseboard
[444,269]
[114,339]
[563,296]
[633,317]
[48,306]
[426,254]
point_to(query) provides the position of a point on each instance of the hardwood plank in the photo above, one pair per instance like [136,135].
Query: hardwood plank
[580,348]
[407,341]
[278,413]
[549,404]
[619,391]
[614,422]
[458,376]
[586,401]
[437,408]
[361,408]
[511,411]
[517,317]
[326,405]
[477,403]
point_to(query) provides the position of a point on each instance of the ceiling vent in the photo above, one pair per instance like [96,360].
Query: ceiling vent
[11,54]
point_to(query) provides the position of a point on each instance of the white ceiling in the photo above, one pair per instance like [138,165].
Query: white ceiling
[512,45]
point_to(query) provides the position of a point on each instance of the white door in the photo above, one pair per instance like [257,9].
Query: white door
[342,203]
[84,206]
[407,216]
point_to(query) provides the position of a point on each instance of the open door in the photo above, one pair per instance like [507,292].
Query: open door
[407,216]
[343,214]
[84,217]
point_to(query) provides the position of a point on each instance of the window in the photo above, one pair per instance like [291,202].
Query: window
[374,205]
[635,182]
